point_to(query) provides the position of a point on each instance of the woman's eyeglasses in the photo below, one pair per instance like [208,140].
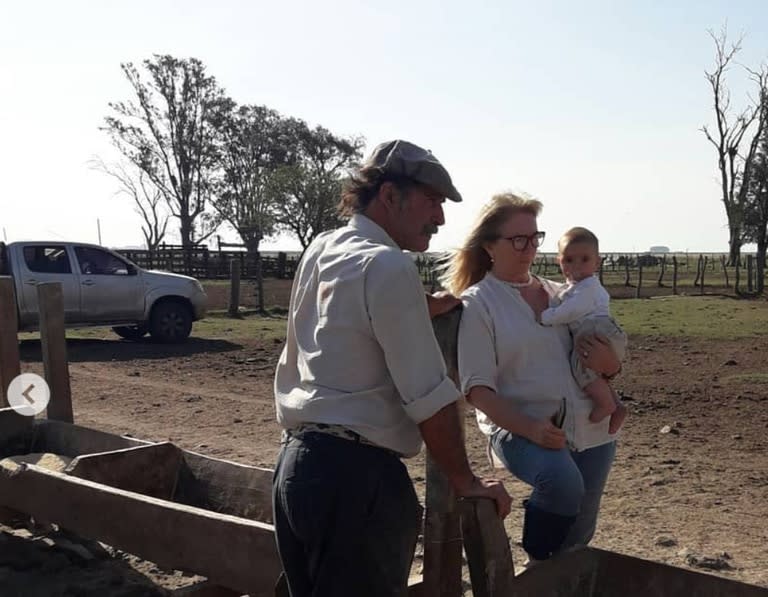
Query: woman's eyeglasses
[520,242]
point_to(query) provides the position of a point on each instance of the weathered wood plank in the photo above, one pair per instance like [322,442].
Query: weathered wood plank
[150,470]
[590,572]
[15,433]
[442,530]
[10,365]
[233,552]
[487,547]
[71,440]
[205,589]
[225,487]
[53,343]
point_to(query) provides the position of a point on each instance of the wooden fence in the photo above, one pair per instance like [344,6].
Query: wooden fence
[206,264]
[643,275]
[625,274]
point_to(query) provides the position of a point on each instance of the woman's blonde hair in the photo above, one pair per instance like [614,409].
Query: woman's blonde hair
[469,264]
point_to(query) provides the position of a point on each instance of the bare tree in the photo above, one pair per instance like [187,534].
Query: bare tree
[167,131]
[732,136]
[147,199]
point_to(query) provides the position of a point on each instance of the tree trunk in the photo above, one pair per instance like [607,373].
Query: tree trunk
[734,246]
[252,246]
[186,229]
[762,245]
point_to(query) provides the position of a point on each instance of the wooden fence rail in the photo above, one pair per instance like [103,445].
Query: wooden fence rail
[206,264]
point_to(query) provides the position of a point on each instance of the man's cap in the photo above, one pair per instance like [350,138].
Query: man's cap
[403,159]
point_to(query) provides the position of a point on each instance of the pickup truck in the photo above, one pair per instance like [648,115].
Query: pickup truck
[103,288]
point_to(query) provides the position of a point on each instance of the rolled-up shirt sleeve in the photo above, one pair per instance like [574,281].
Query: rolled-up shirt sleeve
[477,350]
[397,308]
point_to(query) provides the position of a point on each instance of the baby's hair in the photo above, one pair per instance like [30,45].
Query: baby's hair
[578,235]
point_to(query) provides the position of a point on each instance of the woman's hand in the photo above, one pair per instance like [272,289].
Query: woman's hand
[596,353]
[543,433]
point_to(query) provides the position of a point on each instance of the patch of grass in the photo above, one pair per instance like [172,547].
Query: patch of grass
[248,326]
[89,333]
[709,317]
[749,378]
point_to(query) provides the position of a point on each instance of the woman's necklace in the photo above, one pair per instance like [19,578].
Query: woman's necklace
[525,284]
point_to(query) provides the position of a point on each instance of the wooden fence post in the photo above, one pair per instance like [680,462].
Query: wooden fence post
[484,538]
[260,283]
[53,342]
[703,269]
[487,546]
[602,264]
[234,288]
[724,263]
[662,270]
[10,364]
[698,271]
[626,270]
[737,281]
[674,274]
[639,278]
[750,286]
[442,523]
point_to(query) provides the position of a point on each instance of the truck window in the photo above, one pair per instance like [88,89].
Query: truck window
[94,262]
[51,259]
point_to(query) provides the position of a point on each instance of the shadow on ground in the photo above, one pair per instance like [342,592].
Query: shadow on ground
[99,350]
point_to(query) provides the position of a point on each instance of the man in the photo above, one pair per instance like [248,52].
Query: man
[361,382]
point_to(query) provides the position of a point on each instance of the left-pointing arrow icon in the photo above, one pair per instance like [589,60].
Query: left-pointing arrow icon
[28,394]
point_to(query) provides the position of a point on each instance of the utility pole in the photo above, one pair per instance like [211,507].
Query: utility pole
[98,228]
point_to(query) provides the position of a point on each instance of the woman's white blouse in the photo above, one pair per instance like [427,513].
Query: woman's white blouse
[503,347]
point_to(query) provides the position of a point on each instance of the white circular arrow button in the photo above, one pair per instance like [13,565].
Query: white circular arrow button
[28,394]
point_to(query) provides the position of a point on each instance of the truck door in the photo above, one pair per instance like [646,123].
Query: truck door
[110,288]
[46,263]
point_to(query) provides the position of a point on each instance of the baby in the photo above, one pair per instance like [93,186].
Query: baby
[584,307]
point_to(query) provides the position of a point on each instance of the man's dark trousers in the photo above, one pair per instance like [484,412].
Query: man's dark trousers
[346,518]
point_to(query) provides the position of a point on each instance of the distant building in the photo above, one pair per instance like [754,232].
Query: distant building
[659,249]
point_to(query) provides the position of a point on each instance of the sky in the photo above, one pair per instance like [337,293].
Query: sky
[594,107]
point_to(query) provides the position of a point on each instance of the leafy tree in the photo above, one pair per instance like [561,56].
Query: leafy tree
[756,212]
[306,193]
[254,141]
[735,138]
[167,130]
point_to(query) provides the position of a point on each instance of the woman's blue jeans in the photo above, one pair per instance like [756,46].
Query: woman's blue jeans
[567,488]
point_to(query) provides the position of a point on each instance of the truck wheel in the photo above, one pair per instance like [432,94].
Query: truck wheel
[171,321]
[131,332]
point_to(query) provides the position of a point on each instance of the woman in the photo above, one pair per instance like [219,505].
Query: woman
[517,375]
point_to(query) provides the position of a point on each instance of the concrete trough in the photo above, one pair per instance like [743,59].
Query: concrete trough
[176,508]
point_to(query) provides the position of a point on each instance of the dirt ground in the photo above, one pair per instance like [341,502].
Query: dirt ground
[688,487]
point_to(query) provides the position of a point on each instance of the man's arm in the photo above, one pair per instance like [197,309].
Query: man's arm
[442,435]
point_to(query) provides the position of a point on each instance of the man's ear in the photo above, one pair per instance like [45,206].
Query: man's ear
[389,196]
